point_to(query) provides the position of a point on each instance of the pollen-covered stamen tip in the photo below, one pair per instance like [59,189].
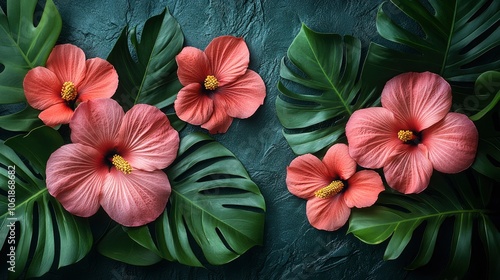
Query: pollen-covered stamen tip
[211,83]
[121,164]
[68,91]
[331,190]
[406,135]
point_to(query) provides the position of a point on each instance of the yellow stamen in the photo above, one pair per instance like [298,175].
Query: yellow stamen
[121,164]
[68,91]
[211,83]
[331,190]
[405,135]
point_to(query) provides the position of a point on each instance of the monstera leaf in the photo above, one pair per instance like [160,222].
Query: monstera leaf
[152,78]
[488,150]
[397,216]
[24,46]
[320,89]
[215,212]
[32,221]
[457,39]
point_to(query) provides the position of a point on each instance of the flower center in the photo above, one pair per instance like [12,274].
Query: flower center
[121,164]
[406,135]
[68,91]
[331,190]
[211,83]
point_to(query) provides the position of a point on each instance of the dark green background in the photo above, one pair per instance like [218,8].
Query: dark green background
[292,248]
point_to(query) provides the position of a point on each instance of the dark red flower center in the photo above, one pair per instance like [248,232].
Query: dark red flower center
[409,137]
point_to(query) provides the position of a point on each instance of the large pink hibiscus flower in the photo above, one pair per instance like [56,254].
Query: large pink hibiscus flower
[412,133]
[115,161]
[217,84]
[332,186]
[66,80]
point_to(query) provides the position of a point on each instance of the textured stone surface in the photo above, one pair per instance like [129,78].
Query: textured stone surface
[292,248]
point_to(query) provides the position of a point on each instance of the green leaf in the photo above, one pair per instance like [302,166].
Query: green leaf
[152,78]
[215,212]
[23,47]
[117,245]
[491,241]
[486,86]
[320,89]
[396,217]
[488,150]
[40,220]
[457,39]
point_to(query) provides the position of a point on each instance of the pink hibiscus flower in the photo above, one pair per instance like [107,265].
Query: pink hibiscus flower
[217,84]
[332,186]
[412,133]
[115,161]
[67,80]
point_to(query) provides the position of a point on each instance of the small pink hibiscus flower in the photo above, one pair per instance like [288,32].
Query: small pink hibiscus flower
[332,186]
[66,80]
[217,84]
[116,161]
[412,133]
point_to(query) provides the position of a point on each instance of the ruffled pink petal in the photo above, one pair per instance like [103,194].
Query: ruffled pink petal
[68,63]
[418,100]
[192,105]
[42,88]
[363,189]
[219,122]
[305,175]
[101,80]
[339,163]
[56,114]
[75,175]
[452,143]
[229,57]
[327,214]
[372,136]
[193,66]
[146,138]
[137,198]
[96,123]
[243,97]
[409,169]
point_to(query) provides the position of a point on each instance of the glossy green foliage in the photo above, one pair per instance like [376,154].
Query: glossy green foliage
[457,39]
[150,76]
[320,88]
[25,42]
[45,233]
[396,217]
[215,212]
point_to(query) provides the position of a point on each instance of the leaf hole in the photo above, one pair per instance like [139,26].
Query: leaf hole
[197,251]
[222,191]
[2,67]
[214,177]
[190,150]
[480,39]
[244,208]
[224,241]
[199,166]
[493,161]
[481,10]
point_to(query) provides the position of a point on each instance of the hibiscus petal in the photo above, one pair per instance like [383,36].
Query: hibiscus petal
[242,98]
[75,175]
[363,189]
[418,100]
[193,66]
[219,122]
[42,88]
[96,123]
[452,143]
[101,80]
[147,139]
[339,163]
[305,175]
[137,198]
[192,105]
[229,57]
[68,63]
[327,214]
[372,136]
[56,114]
[409,169]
